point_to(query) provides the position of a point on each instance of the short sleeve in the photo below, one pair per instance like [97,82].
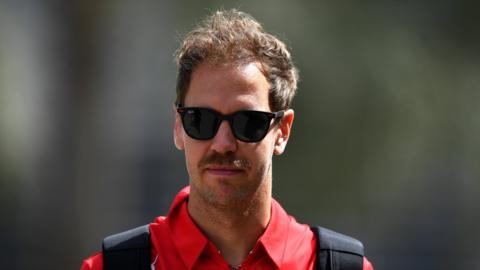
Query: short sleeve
[94,262]
[367,265]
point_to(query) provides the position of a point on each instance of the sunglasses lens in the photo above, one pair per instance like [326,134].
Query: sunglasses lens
[200,124]
[250,126]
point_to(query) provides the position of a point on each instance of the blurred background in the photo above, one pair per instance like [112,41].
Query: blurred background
[385,147]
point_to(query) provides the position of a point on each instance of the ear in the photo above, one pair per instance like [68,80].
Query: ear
[283,132]
[178,131]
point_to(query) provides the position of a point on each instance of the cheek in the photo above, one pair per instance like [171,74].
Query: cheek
[261,154]
[193,154]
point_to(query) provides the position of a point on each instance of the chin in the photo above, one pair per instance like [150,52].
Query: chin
[225,195]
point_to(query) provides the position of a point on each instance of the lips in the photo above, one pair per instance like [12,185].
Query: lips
[223,171]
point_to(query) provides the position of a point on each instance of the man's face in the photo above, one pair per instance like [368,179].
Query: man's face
[223,170]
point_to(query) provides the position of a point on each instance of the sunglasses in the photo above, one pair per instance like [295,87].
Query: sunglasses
[247,126]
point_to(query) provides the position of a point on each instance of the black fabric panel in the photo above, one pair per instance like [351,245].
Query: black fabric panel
[336,251]
[129,250]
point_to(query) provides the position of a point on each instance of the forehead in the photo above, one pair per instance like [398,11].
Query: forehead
[228,87]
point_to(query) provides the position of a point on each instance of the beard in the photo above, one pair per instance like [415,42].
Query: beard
[227,193]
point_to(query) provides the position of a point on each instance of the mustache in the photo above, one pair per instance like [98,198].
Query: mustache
[228,159]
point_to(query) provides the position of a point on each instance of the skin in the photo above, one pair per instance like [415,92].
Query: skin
[230,180]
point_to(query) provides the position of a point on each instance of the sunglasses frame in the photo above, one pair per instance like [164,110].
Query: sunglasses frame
[229,118]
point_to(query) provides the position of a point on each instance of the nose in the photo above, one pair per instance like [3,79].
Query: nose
[224,141]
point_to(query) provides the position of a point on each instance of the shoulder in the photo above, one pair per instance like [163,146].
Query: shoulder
[94,262]
[367,265]
[342,249]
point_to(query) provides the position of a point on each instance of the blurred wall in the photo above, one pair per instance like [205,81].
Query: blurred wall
[385,144]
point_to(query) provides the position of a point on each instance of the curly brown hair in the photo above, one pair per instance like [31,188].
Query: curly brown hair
[237,38]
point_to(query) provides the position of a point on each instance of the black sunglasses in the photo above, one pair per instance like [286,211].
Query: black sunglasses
[247,126]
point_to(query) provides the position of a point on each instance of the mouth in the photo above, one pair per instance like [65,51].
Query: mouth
[223,171]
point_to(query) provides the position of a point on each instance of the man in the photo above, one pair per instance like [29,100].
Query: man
[234,90]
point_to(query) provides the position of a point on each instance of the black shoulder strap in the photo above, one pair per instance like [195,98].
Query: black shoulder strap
[336,251]
[129,250]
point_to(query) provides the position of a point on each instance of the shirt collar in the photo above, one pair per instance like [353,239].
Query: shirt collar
[189,240]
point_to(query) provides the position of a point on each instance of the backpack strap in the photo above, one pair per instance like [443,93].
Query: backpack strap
[129,250]
[336,251]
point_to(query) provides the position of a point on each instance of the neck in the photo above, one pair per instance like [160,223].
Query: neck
[234,230]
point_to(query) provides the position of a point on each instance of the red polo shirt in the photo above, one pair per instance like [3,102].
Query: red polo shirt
[177,243]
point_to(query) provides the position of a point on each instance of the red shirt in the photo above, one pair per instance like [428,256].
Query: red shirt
[177,243]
